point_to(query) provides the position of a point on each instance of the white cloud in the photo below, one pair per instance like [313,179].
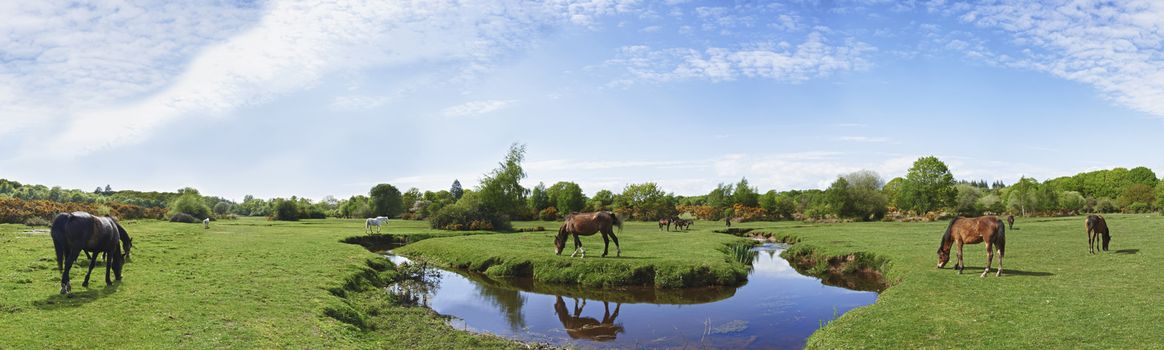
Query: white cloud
[1115,47]
[475,108]
[781,61]
[292,47]
[358,102]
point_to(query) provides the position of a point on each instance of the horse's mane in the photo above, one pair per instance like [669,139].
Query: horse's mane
[946,237]
[615,220]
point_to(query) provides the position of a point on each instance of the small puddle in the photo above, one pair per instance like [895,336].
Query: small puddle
[777,308]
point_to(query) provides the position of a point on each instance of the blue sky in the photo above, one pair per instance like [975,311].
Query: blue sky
[290,98]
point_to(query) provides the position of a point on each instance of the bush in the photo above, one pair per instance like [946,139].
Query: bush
[468,215]
[1105,205]
[548,214]
[190,203]
[284,210]
[183,217]
[36,221]
[16,211]
[1139,208]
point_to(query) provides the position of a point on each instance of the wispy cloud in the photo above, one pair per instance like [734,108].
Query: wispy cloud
[475,108]
[1112,46]
[782,61]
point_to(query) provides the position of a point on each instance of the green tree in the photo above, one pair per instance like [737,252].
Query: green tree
[603,200]
[720,197]
[1160,195]
[567,197]
[966,201]
[1071,201]
[285,209]
[386,200]
[891,190]
[745,195]
[500,191]
[189,203]
[1022,195]
[456,190]
[408,199]
[928,186]
[644,202]
[222,208]
[538,198]
[1136,193]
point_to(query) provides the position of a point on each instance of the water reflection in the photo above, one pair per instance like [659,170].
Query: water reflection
[777,308]
[579,327]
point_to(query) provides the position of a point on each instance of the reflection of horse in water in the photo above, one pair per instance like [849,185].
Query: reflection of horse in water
[589,328]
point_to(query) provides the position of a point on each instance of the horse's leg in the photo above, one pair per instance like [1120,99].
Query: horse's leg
[606,244]
[959,266]
[1001,252]
[108,266]
[617,249]
[92,264]
[1090,240]
[71,255]
[989,258]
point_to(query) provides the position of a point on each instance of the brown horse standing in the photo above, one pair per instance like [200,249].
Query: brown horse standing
[961,231]
[586,224]
[1096,225]
[1010,221]
[666,222]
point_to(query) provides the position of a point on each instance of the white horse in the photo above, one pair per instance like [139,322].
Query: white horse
[206,223]
[376,221]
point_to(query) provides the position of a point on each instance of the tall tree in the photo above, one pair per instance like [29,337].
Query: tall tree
[567,197]
[1023,192]
[456,190]
[745,194]
[501,190]
[386,200]
[928,186]
[539,199]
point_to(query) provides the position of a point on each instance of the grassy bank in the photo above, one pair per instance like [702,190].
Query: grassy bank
[1051,295]
[248,283]
[649,257]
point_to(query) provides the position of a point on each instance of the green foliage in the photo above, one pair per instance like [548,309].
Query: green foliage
[190,202]
[1071,201]
[386,200]
[538,198]
[603,200]
[1160,195]
[966,202]
[856,195]
[745,194]
[1136,193]
[356,207]
[720,197]
[500,191]
[991,203]
[185,218]
[469,213]
[1021,196]
[252,206]
[892,190]
[456,190]
[408,199]
[284,209]
[928,186]
[644,202]
[1105,205]
[222,208]
[566,197]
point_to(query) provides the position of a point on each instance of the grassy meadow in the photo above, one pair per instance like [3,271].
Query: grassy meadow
[253,283]
[249,283]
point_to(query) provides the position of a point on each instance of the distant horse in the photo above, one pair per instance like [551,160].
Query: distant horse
[962,230]
[589,328]
[206,223]
[586,224]
[80,231]
[682,224]
[1096,225]
[665,222]
[1010,221]
[376,221]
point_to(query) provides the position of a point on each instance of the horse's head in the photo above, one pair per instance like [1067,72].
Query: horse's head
[560,240]
[126,245]
[943,257]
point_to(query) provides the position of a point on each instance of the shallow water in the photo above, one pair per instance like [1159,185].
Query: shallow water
[777,308]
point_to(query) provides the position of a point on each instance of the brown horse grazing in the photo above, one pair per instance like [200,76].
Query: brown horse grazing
[962,230]
[586,224]
[589,328]
[682,224]
[1096,225]
[1010,221]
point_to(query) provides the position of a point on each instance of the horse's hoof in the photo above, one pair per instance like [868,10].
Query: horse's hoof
[86,284]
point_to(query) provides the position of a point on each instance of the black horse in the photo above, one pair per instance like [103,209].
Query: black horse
[80,231]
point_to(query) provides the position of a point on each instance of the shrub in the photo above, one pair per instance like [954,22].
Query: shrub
[190,203]
[36,221]
[1105,205]
[183,217]
[548,214]
[745,214]
[468,214]
[1139,208]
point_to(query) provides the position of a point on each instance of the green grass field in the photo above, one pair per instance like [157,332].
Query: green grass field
[1052,294]
[649,257]
[248,283]
[251,283]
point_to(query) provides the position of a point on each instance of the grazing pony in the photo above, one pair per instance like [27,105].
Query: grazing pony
[376,221]
[682,224]
[1096,225]
[206,223]
[586,224]
[589,328]
[80,231]
[666,222]
[1010,221]
[962,230]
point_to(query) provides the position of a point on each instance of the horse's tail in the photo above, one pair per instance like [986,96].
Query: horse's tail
[946,237]
[615,221]
[60,243]
[1000,238]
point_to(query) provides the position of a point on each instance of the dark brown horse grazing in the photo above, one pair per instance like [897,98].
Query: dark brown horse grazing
[586,224]
[682,224]
[962,230]
[79,231]
[589,328]
[1010,221]
[1096,225]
